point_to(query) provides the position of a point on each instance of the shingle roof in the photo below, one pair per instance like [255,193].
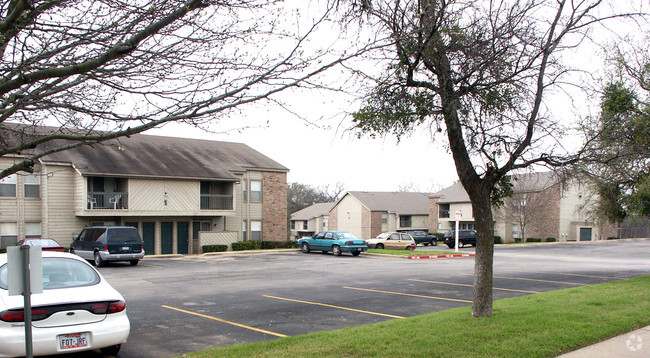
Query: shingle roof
[166,157]
[403,203]
[313,211]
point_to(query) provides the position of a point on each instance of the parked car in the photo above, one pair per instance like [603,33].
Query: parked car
[391,240]
[77,311]
[45,244]
[335,241]
[423,238]
[109,243]
[465,237]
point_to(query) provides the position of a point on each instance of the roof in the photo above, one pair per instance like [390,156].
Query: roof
[312,211]
[142,155]
[403,203]
[528,182]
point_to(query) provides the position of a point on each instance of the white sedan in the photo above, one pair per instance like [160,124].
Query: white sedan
[77,311]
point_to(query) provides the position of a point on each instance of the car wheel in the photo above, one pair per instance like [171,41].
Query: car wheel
[461,244]
[434,243]
[111,351]
[379,246]
[305,247]
[71,251]
[134,262]
[450,246]
[98,260]
[356,253]
[336,250]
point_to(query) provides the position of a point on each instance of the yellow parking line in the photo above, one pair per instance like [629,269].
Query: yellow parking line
[227,322]
[408,294]
[466,285]
[332,306]
[534,279]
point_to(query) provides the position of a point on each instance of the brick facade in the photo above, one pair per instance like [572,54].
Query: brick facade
[433,213]
[274,206]
[375,224]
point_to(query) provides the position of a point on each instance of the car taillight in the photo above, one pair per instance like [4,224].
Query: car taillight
[349,242]
[19,316]
[108,307]
[105,247]
[365,242]
[115,307]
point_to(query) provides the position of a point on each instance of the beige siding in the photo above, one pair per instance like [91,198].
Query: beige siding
[62,222]
[218,238]
[164,196]
[349,214]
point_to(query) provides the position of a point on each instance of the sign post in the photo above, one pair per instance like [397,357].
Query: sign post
[25,277]
[459,214]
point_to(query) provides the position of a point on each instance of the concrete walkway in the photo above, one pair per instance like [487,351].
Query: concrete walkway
[634,344]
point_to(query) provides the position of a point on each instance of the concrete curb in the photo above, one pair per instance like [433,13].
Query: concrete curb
[445,256]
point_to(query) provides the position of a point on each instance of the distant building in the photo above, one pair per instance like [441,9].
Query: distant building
[310,220]
[179,193]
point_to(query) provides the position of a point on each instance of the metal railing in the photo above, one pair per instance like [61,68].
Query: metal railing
[216,202]
[108,200]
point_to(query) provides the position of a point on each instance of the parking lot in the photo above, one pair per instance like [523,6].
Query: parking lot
[183,304]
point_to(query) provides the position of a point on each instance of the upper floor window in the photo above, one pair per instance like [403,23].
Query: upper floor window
[405,221]
[256,190]
[384,218]
[244,189]
[305,225]
[8,186]
[293,224]
[32,183]
[8,234]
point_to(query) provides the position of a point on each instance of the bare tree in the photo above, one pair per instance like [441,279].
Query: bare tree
[527,209]
[477,71]
[94,70]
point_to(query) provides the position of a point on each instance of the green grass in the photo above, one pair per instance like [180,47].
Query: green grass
[540,325]
[407,252]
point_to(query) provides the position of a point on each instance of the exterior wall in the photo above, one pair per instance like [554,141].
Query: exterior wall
[433,214]
[418,222]
[349,216]
[574,208]
[274,204]
[60,221]
[375,224]
[218,238]
[161,196]
[333,220]
[445,224]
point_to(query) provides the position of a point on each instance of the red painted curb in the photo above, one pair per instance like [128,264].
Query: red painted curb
[449,256]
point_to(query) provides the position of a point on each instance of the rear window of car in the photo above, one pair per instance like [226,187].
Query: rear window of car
[42,242]
[60,272]
[346,235]
[123,235]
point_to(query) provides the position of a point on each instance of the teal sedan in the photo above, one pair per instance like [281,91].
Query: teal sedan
[335,241]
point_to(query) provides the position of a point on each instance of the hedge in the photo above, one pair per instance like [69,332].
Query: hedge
[498,240]
[279,244]
[214,248]
[551,239]
[245,245]
[534,239]
[2,251]
[612,238]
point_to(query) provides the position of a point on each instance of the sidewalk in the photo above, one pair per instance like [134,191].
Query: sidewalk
[633,344]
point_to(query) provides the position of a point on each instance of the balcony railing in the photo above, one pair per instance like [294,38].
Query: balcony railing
[444,214]
[216,202]
[108,200]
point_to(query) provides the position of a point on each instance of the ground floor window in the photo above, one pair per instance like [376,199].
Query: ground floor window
[256,230]
[32,230]
[8,234]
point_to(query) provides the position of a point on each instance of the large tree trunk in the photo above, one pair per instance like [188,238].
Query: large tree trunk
[483,265]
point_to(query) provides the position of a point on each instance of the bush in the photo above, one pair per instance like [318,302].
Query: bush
[2,251]
[440,235]
[534,239]
[517,239]
[279,244]
[245,245]
[612,238]
[214,248]
[498,240]
[551,239]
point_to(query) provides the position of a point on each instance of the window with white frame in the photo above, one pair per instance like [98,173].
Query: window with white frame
[256,190]
[32,183]
[256,230]
[384,218]
[8,234]
[243,230]
[8,186]
[32,230]
[305,225]
[325,222]
[244,189]
[515,231]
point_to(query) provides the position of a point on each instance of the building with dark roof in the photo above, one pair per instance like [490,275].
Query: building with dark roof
[310,220]
[180,193]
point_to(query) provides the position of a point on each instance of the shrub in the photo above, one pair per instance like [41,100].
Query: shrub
[214,248]
[245,245]
[2,251]
[440,235]
[517,239]
[612,238]
[534,239]
[279,244]
[498,240]
[551,239]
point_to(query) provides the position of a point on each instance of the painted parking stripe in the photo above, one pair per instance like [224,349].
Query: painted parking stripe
[332,306]
[466,285]
[408,294]
[537,280]
[227,322]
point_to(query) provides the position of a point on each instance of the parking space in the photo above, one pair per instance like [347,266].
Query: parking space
[186,304]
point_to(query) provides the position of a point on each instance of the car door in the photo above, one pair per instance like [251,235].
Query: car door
[393,242]
[317,241]
[328,241]
[405,240]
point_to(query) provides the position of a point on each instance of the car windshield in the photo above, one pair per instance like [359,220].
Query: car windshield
[42,242]
[60,272]
[346,235]
[417,233]
[123,235]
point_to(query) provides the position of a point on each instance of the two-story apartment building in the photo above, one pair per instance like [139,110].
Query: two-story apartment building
[368,214]
[179,193]
[310,220]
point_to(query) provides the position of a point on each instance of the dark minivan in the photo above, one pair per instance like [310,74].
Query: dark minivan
[109,243]
[465,237]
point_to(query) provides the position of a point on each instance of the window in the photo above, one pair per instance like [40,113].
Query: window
[293,225]
[32,230]
[405,221]
[244,188]
[243,230]
[515,231]
[384,218]
[8,234]
[32,185]
[8,186]
[325,223]
[256,190]
[256,230]
[305,225]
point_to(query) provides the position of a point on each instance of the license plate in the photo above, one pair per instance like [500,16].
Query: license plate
[75,340]
[125,248]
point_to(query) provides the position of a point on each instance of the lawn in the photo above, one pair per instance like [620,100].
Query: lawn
[540,325]
[407,252]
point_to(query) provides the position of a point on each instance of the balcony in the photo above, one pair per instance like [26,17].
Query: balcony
[443,214]
[216,202]
[107,200]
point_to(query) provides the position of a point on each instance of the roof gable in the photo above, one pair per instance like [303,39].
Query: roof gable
[403,203]
[312,211]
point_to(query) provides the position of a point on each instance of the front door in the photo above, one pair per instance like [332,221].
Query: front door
[166,238]
[182,236]
[149,237]
[585,234]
